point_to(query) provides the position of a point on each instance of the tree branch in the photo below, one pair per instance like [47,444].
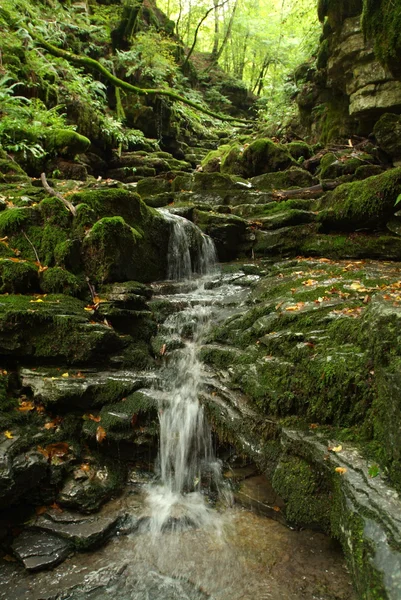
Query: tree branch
[53,192]
[197,30]
[120,83]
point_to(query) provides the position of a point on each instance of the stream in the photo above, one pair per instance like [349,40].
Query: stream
[181,536]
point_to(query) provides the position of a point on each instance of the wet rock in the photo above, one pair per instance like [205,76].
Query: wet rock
[40,550]
[83,532]
[87,490]
[56,328]
[83,389]
[20,472]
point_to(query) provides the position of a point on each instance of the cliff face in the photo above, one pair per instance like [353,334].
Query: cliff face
[353,84]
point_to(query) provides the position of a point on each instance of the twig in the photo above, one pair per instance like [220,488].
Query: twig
[53,192]
[34,249]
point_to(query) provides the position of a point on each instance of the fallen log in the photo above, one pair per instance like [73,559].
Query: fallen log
[304,193]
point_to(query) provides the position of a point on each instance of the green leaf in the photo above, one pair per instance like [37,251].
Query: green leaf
[398,200]
[374,469]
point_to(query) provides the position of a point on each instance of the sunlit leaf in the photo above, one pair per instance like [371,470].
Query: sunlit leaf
[340,470]
[100,434]
[8,435]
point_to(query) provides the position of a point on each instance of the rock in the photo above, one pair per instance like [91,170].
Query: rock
[84,390]
[388,134]
[264,156]
[40,550]
[226,231]
[87,490]
[20,472]
[11,172]
[56,328]
[299,150]
[66,142]
[115,251]
[82,532]
[368,204]
[291,178]
[18,277]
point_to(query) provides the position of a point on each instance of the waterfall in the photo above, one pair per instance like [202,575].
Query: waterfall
[189,250]
[186,463]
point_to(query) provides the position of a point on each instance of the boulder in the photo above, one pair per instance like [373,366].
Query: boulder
[388,134]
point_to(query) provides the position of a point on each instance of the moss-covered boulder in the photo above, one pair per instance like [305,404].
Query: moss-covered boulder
[18,276]
[265,156]
[11,172]
[115,202]
[333,166]
[55,328]
[283,180]
[66,142]
[367,204]
[299,150]
[57,280]
[388,134]
[114,251]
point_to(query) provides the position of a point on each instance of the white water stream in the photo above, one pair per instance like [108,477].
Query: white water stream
[186,465]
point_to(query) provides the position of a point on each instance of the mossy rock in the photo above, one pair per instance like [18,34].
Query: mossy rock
[334,167]
[55,328]
[283,180]
[381,21]
[305,491]
[12,220]
[11,172]
[54,212]
[208,182]
[18,276]
[66,142]
[264,156]
[59,281]
[388,134]
[153,185]
[114,251]
[368,203]
[299,150]
[111,203]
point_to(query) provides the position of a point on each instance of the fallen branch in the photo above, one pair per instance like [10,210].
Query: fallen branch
[86,61]
[53,192]
[34,249]
[304,193]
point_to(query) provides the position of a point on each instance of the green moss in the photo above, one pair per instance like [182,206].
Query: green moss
[338,10]
[18,277]
[299,150]
[264,156]
[66,142]
[11,172]
[305,491]
[13,220]
[59,281]
[111,203]
[291,178]
[368,203]
[381,22]
[54,212]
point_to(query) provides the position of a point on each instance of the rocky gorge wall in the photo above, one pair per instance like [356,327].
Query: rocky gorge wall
[351,84]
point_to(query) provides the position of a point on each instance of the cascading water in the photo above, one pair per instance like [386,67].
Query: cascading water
[186,461]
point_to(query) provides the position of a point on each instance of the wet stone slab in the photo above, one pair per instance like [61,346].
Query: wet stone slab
[38,550]
[83,532]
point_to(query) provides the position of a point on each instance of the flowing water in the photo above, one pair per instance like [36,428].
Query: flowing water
[184,541]
[186,466]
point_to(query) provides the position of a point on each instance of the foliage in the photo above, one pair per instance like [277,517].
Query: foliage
[150,60]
